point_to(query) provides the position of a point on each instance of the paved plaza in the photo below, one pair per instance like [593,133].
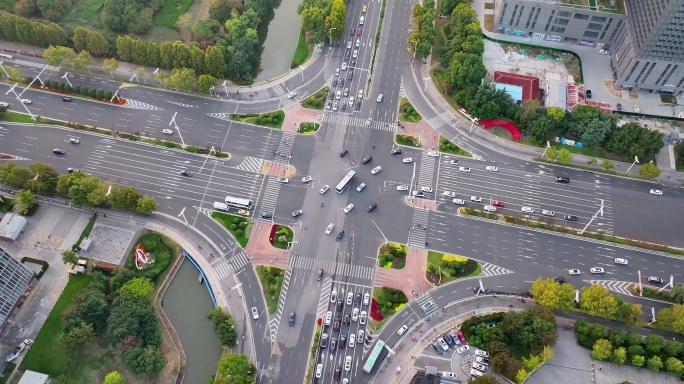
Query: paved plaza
[110,244]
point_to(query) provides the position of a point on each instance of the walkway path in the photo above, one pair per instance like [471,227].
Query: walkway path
[260,250]
[428,137]
[411,278]
[296,114]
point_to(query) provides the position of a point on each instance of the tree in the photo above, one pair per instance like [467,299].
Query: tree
[110,65]
[24,202]
[634,140]
[45,180]
[184,21]
[97,44]
[546,292]
[551,153]
[124,197]
[619,355]
[555,113]
[654,343]
[15,176]
[224,325]
[634,350]
[59,55]
[630,313]
[655,364]
[205,83]
[674,366]
[485,379]
[78,337]
[202,31]
[69,257]
[607,164]
[214,62]
[677,293]
[25,8]
[597,301]
[183,79]
[235,365]
[81,188]
[80,39]
[82,61]
[219,10]
[138,287]
[145,360]
[638,360]
[93,308]
[133,317]
[466,69]
[54,10]
[146,205]
[649,171]
[521,375]
[564,156]
[114,378]
[602,349]
[673,348]
[591,125]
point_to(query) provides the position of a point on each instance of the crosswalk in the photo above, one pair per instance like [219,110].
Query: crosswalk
[274,321]
[418,232]
[228,266]
[270,197]
[286,142]
[251,164]
[332,267]
[344,119]
[493,270]
[424,298]
[280,90]
[444,118]
[133,104]
[621,287]
[426,171]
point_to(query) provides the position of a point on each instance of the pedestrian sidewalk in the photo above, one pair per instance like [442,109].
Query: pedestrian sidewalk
[296,114]
[427,136]
[260,250]
[411,278]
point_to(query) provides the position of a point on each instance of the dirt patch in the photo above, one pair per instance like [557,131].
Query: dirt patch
[489,23]
[199,8]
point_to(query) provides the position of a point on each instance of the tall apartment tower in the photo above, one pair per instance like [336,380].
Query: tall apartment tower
[14,278]
[649,52]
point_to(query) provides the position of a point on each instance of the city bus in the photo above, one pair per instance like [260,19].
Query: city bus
[370,363]
[345,181]
[238,202]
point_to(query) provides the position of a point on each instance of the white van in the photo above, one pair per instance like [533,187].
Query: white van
[361,20]
[220,206]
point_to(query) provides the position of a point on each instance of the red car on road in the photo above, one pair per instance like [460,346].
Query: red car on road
[497,203]
[461,338]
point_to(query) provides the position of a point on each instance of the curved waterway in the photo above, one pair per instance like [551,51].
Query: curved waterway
[186,303]
[278,35]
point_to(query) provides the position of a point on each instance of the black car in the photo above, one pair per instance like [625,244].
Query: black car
[333,344]
[619,107]
[438,349]
[319,274]
[559,279]
[565,180]
[267,215]
[343,153]
[372,207]
[331,95]
[339,235]
[346,55]
[186,173]
[449,340]
[570,217]
[338,308]
[344,107]
[324,340]
[588,94]
[350,75]
[336,327]
[357,107]
[654,279]
[346,319]
[59,151]
[366,159]
[341,83]
[291,319]
[67,99]
[338,374]
[343,341]
[396,151]
[353,31]
[357,298]
[334,84]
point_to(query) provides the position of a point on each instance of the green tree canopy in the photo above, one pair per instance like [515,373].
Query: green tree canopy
[597,301]
[138,287]
[145,360]
[602,349]
[649,171]
[634,140]
[114,378]
[25,200]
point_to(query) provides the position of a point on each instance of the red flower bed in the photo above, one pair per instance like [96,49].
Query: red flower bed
[374,313]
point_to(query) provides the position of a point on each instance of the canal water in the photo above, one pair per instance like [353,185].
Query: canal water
[278,34]
[186,303]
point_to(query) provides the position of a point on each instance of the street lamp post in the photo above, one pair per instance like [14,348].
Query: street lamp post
[173,121]
[548,145]
[599,212]
[415,48]
[636,160]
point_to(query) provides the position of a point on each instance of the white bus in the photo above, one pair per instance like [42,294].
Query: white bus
[345,181]
[238,202]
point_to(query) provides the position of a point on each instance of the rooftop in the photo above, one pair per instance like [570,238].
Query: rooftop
[611,6]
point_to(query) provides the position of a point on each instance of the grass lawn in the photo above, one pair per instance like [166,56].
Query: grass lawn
[8,5]
[439,38]
[308,127]
[85,13]
[317,100]
[234,225]
[593,152]
[269,119]
[411,141]
[86,230]
[271,280]
[435,258]
[47,355]
[282,230]
[15,117]
[447,146]
[170,12]
[6,205]
[302,51]
[407,113]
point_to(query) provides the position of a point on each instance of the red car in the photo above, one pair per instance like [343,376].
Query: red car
[497,203]
[462,338]
[358,33]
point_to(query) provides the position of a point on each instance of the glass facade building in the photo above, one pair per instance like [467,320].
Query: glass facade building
[14,277]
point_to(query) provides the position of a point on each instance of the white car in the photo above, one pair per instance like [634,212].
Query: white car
[366,299]
[74,140]
[402,330]
[450,375]
[329,229]
[426,189]
[348,209]
[433,154]
[597,270]
[463,349]
[333,296]
[363,317]
[291,94]
[352,340]
[379,99]
[491,168]
[26,101]
[167,131]
[636,108]
[476,199]
[475,373]
[603,52]
[306,179]
[619,260]
[368,122]
[255,313]
[344,66]
[358,43]
[360,187]
[347,363]
[459,201]
[546,212]
[574,272]
[355,314]
[360,94]
[481,353]
[283,180]
[482,360]
[350,297]
[376,170]
[355,54]
[489,208]
[324,189]
[408,160]
[657,192]
[449,194]
[527,209]
[402,188]
[328,318]
[349,44]
[319,371]
[359,338]
[479,367]
[453,162]
[3,104]
[464,169]
[443,344]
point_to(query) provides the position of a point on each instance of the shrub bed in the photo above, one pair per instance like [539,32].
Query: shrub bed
[282,237]
[238,226]
[271,281]
[449,147]
[308,127]
[392,255]
[411,141]
[269,119]
[407,113]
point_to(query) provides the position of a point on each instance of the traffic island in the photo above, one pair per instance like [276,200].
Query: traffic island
[392,256]
[281,236]
[410,141]
[407,113]
[317,100]
[238,226]
[271,279]
[442,268]
[269,119]
[447,146]
[385,303]
[308,128]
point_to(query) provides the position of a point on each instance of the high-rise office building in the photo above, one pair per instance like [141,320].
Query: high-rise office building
[14,278]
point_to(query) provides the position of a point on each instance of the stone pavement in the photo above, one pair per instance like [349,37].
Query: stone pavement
[296,114]
[259,247]
[429,138]
[411,278]
[110,243]
[278,169]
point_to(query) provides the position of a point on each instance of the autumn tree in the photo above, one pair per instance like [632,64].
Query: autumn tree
[596,300]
